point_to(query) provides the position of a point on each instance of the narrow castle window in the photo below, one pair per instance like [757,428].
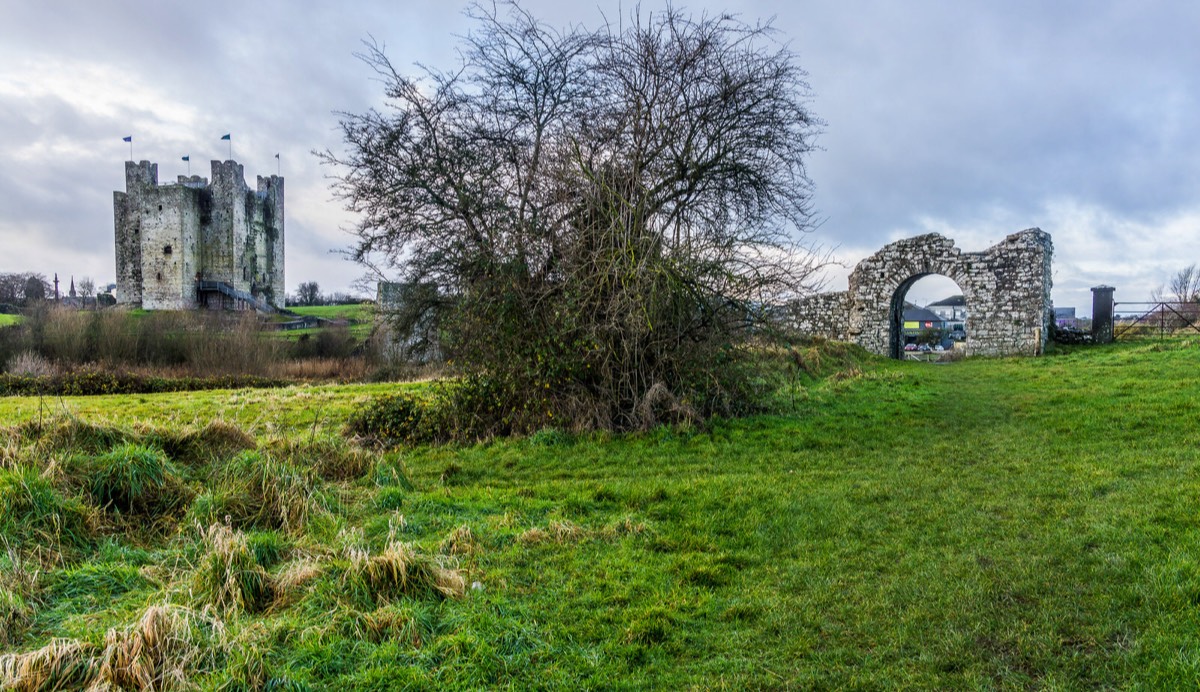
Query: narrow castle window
[167,250]
[160,276]
[160,207]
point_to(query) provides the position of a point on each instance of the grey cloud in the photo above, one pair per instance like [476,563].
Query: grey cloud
[972,115]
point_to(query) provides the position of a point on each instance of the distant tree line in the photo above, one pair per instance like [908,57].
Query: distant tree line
[21,289]
[309,293]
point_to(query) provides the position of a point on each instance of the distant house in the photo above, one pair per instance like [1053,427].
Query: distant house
[917,320]
[1065,317]
[953,310]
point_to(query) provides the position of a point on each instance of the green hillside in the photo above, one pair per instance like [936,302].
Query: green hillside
[986,523]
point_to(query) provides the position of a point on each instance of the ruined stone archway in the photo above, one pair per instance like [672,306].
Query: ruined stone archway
[1007,287]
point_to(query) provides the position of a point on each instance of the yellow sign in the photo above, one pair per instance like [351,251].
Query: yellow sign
[912,325]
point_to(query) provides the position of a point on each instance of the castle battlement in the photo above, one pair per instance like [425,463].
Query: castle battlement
[177,240]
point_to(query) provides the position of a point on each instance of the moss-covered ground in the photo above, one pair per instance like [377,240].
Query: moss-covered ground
[986,523]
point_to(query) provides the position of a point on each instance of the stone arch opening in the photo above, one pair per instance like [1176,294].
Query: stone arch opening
[1007,287]
[918,312]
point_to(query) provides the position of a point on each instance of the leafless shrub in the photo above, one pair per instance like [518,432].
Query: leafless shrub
[602,213]
[32,364]
[64,335]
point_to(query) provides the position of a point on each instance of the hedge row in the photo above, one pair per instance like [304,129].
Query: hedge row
[92,382]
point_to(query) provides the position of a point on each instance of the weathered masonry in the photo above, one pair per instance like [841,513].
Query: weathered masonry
[194,244]
[1006,287]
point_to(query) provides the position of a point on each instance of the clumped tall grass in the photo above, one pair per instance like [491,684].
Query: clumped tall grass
[227,576]
[63,664]
[200,446]
[399,570]
[69,435]
[10,446]
[134,479]
[257,489]
[164,649]
[331,458]
[18,585]
[35,515]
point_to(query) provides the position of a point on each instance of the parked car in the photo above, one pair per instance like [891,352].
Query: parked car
[925,348]
[910,347]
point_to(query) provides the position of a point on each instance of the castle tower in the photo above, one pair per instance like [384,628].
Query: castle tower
[194,244]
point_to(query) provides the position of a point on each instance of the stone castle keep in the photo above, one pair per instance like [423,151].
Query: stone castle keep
[195,244]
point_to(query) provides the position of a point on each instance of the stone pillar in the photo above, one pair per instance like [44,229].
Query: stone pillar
[1102,314]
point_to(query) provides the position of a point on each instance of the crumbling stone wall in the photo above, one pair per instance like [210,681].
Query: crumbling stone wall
[171,237]
[1006,287]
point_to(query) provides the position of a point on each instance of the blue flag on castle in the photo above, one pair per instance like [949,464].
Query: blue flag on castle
[187,158]
[225,137]
[127,139]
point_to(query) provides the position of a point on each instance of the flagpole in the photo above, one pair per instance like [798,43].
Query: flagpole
[277,169]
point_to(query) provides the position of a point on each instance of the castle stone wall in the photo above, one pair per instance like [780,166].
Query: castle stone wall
[824,314]
[1006,287]
[170,237]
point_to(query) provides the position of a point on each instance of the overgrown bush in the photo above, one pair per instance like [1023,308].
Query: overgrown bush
[598,241]
[209,343]
[401,418]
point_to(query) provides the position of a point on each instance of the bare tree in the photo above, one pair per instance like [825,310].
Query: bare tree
[606,213]
[1184,286]
[308,293]
[16,287]
[87,287]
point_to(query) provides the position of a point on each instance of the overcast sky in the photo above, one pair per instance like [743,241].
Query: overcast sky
[971,119]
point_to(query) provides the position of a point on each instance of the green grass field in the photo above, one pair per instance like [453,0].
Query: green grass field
[987,523]
[361,312]
[360,315]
